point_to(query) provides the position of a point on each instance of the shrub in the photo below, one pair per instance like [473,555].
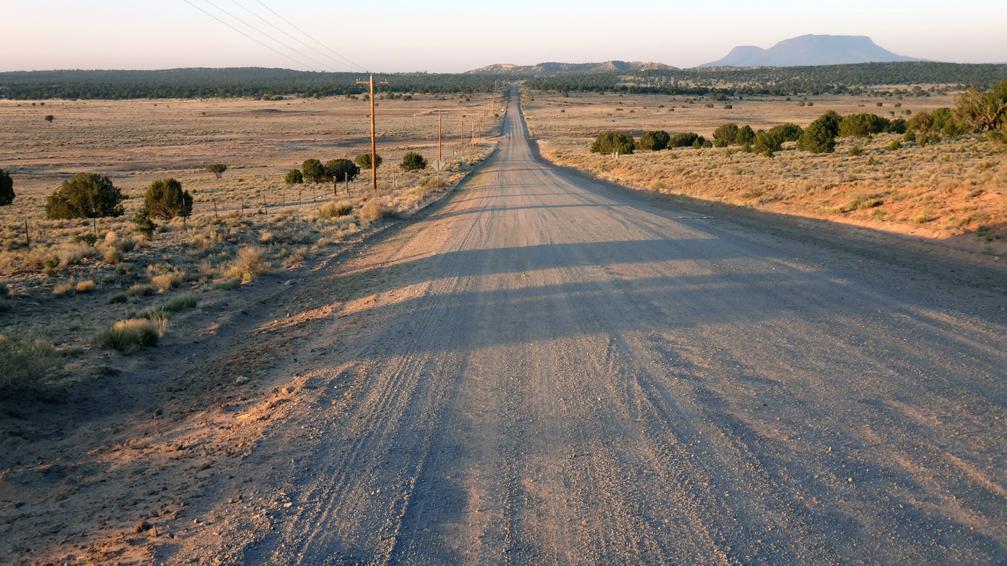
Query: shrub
[218,169]
[856,150]
[166,281]
[294,177]
[897,126]
[128,336]
[313,171]
[746,135]
[434,182]
[364,160]
[64,289]
[165,199]
[786,132]
[180,303]
[895,146]
[413,161]
[49,118]
[26,362]
[118,298]
[984,111]
[142,222]
[820,136]
[86,195]
[688,139]
[613,142]
[6,188]
[335,210]
[862,125]
[84,287]
[767,143]
[654,140]
[139,290]
[341,169]
[247,265]
[372,211]
[725,135]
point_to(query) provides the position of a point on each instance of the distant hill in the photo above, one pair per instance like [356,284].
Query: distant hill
[810,50]
[569,68]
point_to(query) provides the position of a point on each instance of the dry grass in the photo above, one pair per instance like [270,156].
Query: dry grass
[375,210]
[952,189]
[130,336]
[26,363]
[243,225]
[249,263]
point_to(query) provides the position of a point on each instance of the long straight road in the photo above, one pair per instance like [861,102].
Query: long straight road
[545,369]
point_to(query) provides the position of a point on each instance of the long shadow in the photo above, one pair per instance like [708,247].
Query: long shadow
[907,252]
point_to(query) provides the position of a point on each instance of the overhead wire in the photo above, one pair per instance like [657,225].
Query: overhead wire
[337,54]
[339,62]
[321,64]
[247,35]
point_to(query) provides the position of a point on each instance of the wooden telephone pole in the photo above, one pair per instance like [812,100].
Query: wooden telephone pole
[374,137]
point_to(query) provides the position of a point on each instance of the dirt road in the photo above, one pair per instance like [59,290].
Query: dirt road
[548,370]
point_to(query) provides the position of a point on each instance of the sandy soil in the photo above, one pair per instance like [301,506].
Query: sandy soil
[546,368]
[954,191]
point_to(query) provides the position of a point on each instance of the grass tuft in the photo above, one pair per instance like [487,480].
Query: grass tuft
[25,363]
[129,336]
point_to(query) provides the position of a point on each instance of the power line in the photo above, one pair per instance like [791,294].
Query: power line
[322,64]
[255,39]
[312,38]
[288,34]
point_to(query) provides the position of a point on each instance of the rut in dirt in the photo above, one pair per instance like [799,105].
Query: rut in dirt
[549,370]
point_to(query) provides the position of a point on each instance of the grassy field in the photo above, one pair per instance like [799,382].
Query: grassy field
[71,293]
[954,190]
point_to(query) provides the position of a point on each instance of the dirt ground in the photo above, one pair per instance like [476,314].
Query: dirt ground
[545,368]
[954,191]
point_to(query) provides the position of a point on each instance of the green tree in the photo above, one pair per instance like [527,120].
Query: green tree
[218,169]
[85,195]
[6,188]
[787,132]
[862,125]
[820,136]
[313,171]
[613,142]
[767,143]
[984,111]
[413,161]
[897,126]
[165,199]
[746,136]
[341,169]
[294,177]
[725,135]
[364,160]
[654,140]
[687,139]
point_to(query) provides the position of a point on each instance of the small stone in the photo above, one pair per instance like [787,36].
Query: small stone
[242,379]
[142,526]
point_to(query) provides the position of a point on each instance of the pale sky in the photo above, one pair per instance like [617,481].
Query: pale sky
[455,35]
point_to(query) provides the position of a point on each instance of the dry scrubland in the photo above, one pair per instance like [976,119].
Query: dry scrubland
[67,304]
[955,190]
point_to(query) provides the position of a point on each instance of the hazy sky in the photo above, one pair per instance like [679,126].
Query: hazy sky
[455,35]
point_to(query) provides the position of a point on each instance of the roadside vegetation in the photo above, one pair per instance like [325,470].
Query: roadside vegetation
[938,171]
[109,263]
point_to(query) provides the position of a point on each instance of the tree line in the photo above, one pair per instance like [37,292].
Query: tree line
[224,83]
[976,112]
[780,81]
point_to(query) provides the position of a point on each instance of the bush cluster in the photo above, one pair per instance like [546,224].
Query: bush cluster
[413,161]
[86,195]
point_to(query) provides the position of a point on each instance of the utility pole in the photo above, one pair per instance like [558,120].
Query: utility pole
[374,140]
